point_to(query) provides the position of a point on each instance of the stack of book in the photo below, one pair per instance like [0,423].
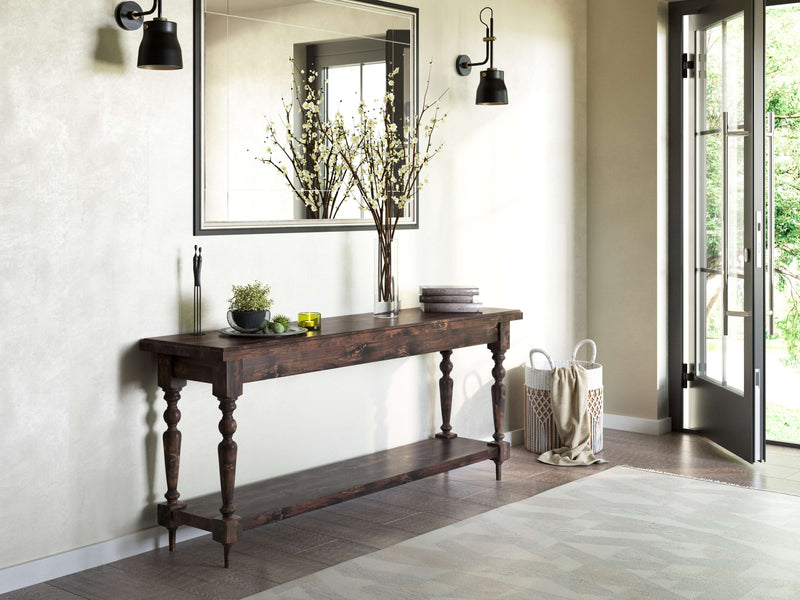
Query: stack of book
[449,298]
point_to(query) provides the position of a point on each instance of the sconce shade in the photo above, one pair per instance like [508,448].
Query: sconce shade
[492,89]
[160,49]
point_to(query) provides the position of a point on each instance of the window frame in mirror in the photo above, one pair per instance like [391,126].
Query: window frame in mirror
[286,226]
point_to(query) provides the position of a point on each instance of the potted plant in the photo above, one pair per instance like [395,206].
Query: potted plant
[249,307]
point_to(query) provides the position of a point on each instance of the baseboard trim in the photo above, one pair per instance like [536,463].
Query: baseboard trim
[516,437]
[637,425]
[88,557]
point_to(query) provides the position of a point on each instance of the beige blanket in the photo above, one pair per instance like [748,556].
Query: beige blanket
[569,394]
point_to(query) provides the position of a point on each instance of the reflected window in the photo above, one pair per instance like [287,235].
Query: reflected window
[345,88]
[354,71]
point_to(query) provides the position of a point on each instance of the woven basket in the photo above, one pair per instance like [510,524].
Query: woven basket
[541,434]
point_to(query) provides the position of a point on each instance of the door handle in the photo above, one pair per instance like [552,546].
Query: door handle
[726,133]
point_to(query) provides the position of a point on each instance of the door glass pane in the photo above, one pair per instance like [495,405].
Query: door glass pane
[710,58]
[734,354]
[733,97]
[712,314]
[736,253]
[711,234]
[711,61]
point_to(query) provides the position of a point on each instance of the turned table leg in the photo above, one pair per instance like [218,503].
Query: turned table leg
[172,455]
[172,447]
[229,527]
[499,398]
[498,404]
[446,395]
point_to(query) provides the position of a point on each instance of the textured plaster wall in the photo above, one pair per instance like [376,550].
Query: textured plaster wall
[626,202]
[96,244]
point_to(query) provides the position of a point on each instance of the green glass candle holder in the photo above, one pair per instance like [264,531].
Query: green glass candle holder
[310,320]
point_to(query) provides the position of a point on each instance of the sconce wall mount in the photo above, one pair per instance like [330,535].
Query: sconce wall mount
[492,88]
[160,49]
[128,15]
[463,65]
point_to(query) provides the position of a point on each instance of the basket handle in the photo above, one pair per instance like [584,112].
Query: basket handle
[581,343]
[546,355]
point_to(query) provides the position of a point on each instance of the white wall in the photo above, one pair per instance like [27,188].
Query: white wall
[95,235]
[626,203]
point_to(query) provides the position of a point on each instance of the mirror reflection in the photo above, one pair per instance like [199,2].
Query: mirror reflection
[258,57]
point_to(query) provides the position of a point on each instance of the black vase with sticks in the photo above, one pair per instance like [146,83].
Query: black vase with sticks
[197,267]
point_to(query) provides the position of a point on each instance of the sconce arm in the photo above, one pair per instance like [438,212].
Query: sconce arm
[487,39]
[463,63]
[156,4]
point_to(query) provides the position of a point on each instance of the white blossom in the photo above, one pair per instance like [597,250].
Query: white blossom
[376,155]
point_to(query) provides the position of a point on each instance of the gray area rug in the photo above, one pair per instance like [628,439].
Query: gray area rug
[622,533]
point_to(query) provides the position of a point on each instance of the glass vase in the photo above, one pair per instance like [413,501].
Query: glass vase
[387,290]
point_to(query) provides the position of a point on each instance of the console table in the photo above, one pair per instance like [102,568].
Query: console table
[228,362]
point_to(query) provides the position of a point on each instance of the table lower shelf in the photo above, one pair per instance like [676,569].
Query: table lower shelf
[296,493]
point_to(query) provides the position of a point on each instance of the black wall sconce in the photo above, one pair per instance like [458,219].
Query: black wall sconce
[492,89]
[159,49]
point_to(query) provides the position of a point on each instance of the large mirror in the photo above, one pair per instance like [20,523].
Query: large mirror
[252,60]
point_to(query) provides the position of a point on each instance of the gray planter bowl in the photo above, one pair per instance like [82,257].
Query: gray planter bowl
[248,321]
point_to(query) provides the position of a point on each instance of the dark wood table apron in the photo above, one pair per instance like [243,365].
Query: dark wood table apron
[227,363]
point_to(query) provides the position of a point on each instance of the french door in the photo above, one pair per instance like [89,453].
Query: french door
[723,223]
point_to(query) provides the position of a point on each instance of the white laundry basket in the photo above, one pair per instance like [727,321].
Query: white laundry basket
[541,434]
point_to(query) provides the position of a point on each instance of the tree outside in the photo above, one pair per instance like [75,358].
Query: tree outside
[782,79]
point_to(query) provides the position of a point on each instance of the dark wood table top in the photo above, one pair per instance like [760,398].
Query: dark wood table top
[215,346]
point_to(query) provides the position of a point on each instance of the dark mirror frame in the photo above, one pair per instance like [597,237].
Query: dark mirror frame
[198,111]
